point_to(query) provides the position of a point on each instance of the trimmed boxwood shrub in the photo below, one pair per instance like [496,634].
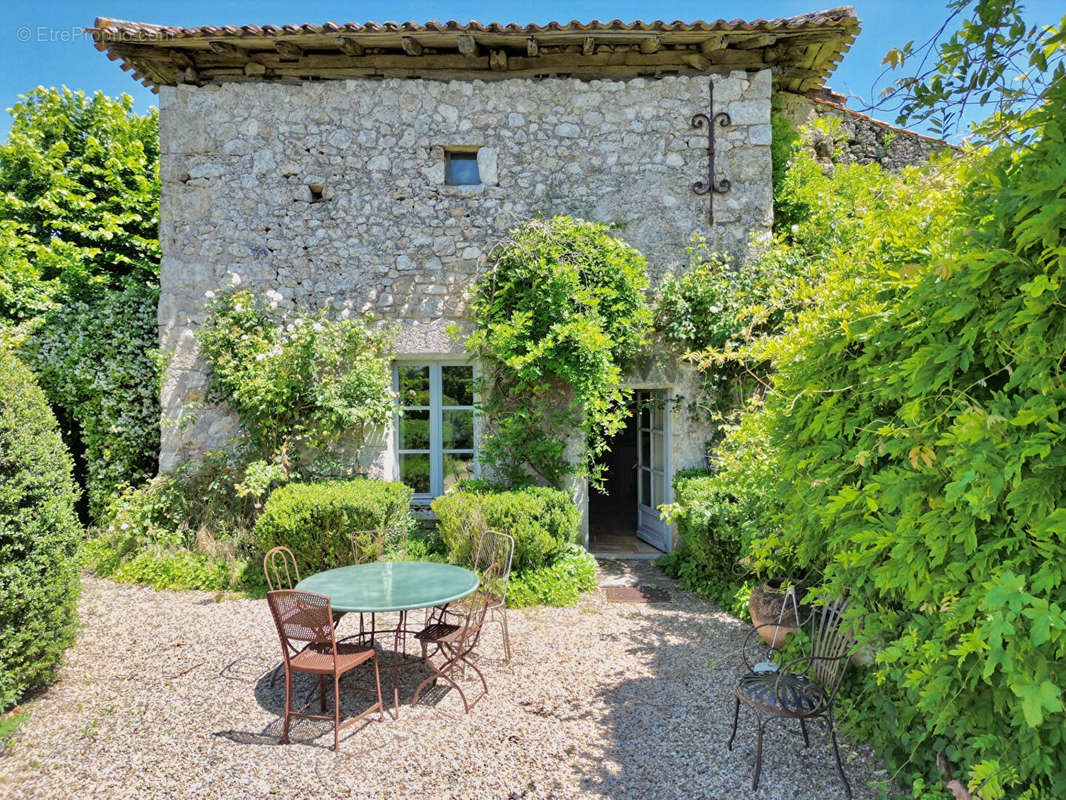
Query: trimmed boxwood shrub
[543,521]
[39,536]
[315,520]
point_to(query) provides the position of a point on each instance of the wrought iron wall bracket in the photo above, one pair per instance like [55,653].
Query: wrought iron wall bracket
[711,186]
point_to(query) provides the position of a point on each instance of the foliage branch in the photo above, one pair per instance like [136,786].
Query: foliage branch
[558,317]
[308,392]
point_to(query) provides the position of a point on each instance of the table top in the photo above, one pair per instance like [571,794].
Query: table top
[391,585]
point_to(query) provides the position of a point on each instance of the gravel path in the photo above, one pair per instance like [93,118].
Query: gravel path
[164,696]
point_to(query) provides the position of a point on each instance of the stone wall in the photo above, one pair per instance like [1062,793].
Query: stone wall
[332,194]
[865,140]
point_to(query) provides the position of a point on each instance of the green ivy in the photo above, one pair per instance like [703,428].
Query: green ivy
[96,358]
[559,315]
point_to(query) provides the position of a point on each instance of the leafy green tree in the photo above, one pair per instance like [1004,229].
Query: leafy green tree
[79,267]
[985,55]
[79,187]
[916,422]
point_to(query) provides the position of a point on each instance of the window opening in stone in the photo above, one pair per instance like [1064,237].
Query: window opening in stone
[460,168]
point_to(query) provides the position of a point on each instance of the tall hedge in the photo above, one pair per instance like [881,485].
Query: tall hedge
[39,536]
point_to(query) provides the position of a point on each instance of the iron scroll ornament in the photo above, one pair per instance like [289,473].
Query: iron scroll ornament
[711,186]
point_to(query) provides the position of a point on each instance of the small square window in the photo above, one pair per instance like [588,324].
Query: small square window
[460,168]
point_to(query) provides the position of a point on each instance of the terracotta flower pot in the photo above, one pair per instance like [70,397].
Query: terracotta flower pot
[765,604]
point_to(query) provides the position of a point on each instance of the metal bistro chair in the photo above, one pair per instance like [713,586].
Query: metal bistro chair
[455,642]
[279,567]
[306,618]
[497,548]
[773,690]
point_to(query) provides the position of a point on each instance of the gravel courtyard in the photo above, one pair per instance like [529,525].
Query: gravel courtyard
[164,696]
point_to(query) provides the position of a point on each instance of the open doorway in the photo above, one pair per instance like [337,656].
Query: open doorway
[624,518]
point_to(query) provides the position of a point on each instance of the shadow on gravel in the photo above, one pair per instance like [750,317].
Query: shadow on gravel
[668,730]
[357,687]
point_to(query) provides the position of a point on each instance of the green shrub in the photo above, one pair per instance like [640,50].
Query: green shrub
[558,584]
[917,424]
[543,522]
[39,536]
[315,520]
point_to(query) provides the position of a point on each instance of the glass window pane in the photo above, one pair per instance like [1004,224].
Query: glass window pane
[645,487]
[457,467]
[645,448]
[414,430]
[657,450]
[657,414]
[461,169]
[458,429]
[414,385]
[457,386]
[657,495]
[645,417]
[414,471]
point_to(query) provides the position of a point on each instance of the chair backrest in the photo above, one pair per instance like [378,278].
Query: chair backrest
[375,545]
[475,606]
[831,644]
[301,617]
[279,566]
[495,548]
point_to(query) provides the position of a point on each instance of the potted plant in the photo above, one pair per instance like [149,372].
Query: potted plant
[770,603]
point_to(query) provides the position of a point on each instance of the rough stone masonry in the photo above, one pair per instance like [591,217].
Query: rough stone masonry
[332,193]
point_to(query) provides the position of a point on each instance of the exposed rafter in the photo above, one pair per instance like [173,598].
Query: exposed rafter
[802,50]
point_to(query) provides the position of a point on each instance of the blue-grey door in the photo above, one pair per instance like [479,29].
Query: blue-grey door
[653,465]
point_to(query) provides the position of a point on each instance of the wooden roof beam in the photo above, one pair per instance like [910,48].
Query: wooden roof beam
[467,45]
[412,46]
[288,49]
[350,46]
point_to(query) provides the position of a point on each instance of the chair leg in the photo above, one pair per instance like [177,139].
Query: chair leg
[836,752]
[506,635]
[288,693]
[336,708]
[758,756]
[377,682]
[803,727]
[736,717]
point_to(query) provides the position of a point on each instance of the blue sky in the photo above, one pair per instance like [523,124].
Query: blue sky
[42,42]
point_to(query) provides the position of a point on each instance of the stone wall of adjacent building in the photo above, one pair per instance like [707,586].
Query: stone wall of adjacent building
[861,139]
[332,194]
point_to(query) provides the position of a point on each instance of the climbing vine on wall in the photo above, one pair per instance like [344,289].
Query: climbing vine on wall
[558,317]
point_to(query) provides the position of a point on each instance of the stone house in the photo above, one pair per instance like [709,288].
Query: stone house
[371,167]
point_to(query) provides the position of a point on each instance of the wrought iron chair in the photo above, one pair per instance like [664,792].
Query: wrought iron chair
[497,548]
[455,642]
[774,690]
[279,567]
[305,618]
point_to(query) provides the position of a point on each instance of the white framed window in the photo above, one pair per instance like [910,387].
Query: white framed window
[436,441]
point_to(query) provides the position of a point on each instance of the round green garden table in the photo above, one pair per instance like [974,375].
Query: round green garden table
[384,586]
